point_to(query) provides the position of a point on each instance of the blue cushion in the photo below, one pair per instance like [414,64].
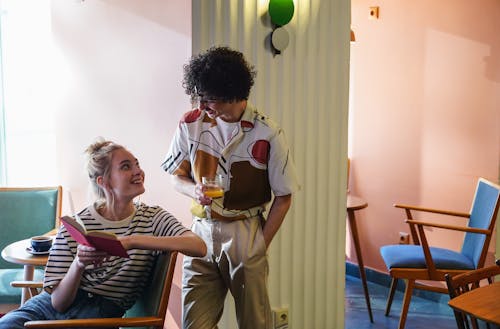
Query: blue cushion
[12,295]
[412,256]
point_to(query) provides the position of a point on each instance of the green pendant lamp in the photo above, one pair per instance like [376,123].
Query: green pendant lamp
[281,11]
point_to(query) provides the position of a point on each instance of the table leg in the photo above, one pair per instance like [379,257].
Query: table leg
[29,271]
[357,247]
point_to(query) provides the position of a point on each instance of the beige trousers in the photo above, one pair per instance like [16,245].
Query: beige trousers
[236,260]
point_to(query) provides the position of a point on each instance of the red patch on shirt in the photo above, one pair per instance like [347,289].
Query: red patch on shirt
[260,151]
[246,124]
[191,116]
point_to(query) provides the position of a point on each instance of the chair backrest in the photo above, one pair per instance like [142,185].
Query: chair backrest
[468,281]
[154,300]
[483,215]
[26,212]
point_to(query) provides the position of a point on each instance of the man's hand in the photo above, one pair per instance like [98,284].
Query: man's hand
[200,197]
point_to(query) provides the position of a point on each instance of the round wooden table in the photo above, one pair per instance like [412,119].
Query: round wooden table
[356,203]
[17,253]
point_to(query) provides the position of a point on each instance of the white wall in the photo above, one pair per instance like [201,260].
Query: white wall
[118,75]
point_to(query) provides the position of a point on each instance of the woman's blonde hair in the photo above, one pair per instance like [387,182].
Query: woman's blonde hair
[98,163]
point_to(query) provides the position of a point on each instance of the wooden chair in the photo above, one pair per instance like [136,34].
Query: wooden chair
[149,311]
[24,212]
[422,262]
[465,282]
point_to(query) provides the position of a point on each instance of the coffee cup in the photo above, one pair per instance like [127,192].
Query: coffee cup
[41,243]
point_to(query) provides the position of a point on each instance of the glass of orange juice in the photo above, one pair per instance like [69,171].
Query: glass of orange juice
[213,186]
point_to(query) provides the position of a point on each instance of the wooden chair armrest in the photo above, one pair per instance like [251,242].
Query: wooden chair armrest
[432,210]
[26,284]
[448,227]
[101,323]
[33,287]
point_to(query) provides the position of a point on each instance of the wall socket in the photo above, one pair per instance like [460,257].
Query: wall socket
[404,238]
[280,318]
[374,12]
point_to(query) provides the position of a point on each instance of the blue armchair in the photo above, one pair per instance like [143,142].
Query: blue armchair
[422,262]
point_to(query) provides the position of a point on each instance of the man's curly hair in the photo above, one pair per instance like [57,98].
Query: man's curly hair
[220,73]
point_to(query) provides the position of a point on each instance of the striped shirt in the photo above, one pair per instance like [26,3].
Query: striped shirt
[118,279]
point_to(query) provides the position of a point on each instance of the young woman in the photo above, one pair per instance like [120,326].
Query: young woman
[81,282]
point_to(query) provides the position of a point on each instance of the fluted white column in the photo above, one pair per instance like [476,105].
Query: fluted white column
[305,89]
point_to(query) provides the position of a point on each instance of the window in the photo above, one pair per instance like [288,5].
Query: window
[27,137]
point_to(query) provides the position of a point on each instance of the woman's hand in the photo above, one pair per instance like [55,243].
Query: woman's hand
[88,255]
[64,293]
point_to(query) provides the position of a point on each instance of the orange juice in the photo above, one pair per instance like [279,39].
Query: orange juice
[214,192]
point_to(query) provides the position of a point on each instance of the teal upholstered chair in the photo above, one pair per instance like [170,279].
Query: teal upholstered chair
[24,212]
[149,312]
[422,262]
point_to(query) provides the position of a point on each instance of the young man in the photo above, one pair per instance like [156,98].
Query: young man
[228,137]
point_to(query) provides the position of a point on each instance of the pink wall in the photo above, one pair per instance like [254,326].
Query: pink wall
[425,118]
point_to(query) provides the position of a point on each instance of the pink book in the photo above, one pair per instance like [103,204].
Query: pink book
[100,240]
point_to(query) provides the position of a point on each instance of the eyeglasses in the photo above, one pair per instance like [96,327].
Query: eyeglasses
[207,99]
[202,99]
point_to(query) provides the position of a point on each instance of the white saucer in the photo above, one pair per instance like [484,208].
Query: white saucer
[31,251]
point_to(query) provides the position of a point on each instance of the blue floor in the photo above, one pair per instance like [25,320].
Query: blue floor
[423,313]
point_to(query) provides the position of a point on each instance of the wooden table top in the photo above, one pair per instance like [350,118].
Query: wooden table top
[17,253]
[355,202]
[482,303]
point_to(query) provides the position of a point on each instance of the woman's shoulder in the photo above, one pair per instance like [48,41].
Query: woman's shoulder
[88,213]
[146,210]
